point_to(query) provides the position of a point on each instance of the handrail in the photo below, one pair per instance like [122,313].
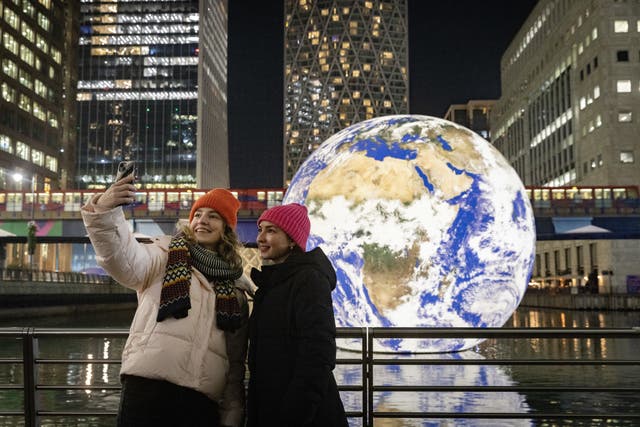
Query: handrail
[31,360]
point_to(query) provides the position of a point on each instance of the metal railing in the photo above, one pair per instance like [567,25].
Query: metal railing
[28,275]
[366,358]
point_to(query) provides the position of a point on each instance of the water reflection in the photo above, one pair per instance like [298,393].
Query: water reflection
[103,373]
[437,401]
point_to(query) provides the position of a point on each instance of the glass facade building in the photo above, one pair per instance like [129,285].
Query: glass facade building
[138,91]
[37,77]
[345,61]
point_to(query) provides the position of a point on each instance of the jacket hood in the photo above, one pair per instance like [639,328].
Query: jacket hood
[315,259]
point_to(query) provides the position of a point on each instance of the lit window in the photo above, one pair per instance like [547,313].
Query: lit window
[8,93]
[51,163]
[39,112]
[52,119]
[623,86]
[10,68]
[25,103]
[40,88]
[42,44]
[10,43]
[25,78]
[594,33]
[37,157]
[625,116]
[583,103]
[5,144]
[23,151]
[626,157]
[27,32]
[43,21]
[598,120]
[28,9]
[596,92]
[27,55]
[12,19]
[620,26]
[56,55]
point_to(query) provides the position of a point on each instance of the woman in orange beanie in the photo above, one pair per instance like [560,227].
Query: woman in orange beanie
[183,363]
[292,331]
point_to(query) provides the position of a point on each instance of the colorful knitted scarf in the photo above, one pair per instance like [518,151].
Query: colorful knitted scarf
[174,298]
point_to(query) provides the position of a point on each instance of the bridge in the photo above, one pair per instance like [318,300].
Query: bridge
[559,211]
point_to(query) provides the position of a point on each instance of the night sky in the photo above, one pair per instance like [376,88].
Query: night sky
[454,56]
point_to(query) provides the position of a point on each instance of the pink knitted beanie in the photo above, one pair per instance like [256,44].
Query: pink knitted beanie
[292,219]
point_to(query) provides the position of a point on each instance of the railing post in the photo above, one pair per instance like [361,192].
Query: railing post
[29,378]
[365,376]
[369,362]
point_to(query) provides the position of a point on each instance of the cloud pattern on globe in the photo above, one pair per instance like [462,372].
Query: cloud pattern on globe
[425,223]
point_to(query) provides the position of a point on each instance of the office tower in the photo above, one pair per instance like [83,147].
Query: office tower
[37,129]
[570,106]
[212,168]
[345,61]
[474,115]
[138,90]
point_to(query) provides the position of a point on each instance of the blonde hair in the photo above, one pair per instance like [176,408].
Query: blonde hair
[228,248]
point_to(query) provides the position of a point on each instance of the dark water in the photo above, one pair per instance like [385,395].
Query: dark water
[493,375]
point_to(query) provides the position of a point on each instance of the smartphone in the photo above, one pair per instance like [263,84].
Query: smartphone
[125,168]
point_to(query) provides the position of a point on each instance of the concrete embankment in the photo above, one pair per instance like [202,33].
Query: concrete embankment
[27,299]
[616,302]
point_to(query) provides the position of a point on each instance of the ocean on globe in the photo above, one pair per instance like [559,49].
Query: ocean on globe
[426,224]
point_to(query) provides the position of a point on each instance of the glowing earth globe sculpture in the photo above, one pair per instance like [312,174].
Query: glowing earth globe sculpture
[426,224]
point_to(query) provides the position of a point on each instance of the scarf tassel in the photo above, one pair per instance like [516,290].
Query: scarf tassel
[228,313]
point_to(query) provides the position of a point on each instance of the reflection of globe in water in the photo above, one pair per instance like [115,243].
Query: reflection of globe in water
[425,222]
[433,402]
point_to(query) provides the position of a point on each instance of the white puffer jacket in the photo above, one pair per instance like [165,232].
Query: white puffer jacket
[191,352]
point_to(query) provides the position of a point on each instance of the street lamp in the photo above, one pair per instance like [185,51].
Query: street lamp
[18,178]
[32,227]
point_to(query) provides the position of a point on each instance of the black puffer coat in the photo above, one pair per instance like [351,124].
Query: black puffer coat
[292,346]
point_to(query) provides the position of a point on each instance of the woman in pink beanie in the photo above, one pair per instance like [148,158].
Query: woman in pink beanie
[292,331]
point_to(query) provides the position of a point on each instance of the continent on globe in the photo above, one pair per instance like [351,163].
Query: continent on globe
[425,223]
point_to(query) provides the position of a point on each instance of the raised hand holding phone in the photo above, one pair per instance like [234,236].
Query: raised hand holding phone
[121,194]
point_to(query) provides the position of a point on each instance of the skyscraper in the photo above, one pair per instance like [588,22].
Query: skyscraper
[345,61]
[37,129]
[212,148]
[570,100]
[138,90]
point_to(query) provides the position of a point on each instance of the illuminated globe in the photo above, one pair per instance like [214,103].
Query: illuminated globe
[425,223]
